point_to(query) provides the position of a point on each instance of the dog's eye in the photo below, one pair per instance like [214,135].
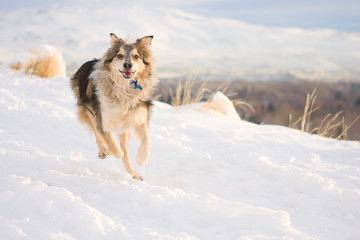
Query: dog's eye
[136,56]
[119,56]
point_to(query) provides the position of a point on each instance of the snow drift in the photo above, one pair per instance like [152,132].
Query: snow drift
[210,175]
[216,48]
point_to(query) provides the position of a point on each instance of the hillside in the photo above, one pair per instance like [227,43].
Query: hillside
[217,48]
[274,101]
[210,175]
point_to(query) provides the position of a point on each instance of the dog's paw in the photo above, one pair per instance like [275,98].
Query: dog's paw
[103,155]
[137,177]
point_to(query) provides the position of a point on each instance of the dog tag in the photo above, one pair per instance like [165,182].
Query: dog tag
[136,85]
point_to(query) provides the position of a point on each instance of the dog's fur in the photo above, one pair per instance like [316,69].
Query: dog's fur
[107,102]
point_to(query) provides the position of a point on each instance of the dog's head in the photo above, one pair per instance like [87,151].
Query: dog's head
[129,61]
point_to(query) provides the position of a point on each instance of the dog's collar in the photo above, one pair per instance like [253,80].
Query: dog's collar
[135,82]
[136,85]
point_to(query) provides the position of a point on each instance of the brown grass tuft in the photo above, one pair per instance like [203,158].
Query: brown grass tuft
[183,93]
[331,126]
[46,66]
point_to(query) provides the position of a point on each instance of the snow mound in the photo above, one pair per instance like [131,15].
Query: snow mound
[222,104]
[209,176]
[44,61]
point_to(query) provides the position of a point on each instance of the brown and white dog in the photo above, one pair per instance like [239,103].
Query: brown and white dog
[114,95]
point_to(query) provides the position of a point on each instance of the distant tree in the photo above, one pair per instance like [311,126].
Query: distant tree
[357,103]
[270,107]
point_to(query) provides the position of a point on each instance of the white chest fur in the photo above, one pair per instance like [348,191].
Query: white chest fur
[119,116]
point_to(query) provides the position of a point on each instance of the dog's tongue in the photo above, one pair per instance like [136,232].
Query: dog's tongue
[127,74]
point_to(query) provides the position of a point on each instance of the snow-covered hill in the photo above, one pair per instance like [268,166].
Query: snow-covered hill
[218,48]
[210,175]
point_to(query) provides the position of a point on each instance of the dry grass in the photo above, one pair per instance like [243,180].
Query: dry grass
[45,67]
[185,93]
[331,126]
[44,61]
[304,120]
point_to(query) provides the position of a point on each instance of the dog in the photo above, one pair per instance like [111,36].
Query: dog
[114,94]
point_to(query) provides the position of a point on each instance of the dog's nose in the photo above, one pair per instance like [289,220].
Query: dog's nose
[127,65]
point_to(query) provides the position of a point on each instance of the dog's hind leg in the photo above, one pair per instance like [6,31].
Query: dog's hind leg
[126,159]
[142,132]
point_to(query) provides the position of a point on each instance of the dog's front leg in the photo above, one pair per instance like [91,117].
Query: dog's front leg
[143,154]
[111,144]
[126,159]
[103,152]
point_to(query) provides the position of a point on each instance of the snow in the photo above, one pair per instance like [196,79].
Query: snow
[216,48]
[210,175]
[221,103]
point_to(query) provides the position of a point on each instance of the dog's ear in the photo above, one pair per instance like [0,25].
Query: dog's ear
[115,39]
[145,42]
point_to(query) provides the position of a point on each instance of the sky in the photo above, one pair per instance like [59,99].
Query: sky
[308,14]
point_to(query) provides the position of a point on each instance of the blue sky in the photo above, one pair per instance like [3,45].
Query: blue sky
[342,15]
[309,14]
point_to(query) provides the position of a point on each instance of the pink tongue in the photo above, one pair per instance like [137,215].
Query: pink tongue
[128,74]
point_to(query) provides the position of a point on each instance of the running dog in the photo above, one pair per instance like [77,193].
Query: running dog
[114,95]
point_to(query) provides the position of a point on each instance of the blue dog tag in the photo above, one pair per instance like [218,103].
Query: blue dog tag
[136,85]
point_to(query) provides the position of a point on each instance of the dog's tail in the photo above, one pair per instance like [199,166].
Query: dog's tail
[45,61]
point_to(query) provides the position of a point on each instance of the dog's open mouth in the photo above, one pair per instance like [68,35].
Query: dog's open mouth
[126,74]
